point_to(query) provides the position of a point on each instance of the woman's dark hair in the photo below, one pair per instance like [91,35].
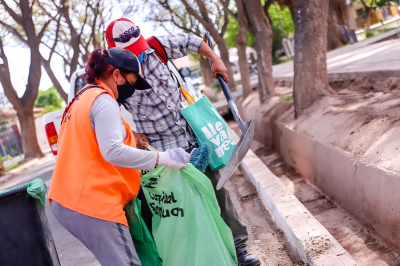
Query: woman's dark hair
[95,66]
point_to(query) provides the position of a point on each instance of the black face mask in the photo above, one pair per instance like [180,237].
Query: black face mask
[125,91]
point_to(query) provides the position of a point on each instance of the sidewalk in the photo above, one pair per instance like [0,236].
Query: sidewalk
[26,167]
[367,55]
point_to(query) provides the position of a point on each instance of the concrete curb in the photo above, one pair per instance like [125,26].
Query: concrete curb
[291,216]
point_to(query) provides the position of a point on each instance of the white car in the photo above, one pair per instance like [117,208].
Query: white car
[52,121]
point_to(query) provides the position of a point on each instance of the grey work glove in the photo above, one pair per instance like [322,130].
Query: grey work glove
[174,158]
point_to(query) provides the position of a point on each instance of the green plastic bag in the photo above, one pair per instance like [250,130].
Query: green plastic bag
[208,126]
[142,239]
[187,225]
[36,189]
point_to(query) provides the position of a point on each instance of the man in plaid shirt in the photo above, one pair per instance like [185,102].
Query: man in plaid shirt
[156,111]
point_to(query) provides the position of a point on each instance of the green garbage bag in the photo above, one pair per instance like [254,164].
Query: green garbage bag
[142,239]
[208,126]
[36,189]
[187,225]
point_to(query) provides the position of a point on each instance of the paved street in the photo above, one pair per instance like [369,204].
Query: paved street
[362,56]
[70,251]
[265,240]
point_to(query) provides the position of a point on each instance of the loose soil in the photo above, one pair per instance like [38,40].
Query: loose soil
[364,247]
[266,241]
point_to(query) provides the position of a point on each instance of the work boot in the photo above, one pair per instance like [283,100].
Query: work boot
[246,259]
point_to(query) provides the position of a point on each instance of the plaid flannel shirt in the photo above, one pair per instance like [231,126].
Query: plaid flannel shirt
[156,111]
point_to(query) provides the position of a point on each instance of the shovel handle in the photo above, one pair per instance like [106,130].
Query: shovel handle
[221,80]
[225,88]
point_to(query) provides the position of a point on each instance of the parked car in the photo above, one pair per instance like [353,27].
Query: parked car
[52,121]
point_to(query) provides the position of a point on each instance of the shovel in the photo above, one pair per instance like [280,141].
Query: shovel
[247,128]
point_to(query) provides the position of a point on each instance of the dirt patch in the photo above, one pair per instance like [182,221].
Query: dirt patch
[266,241]
[364,247]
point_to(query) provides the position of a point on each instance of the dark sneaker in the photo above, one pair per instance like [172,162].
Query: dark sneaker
[246,259]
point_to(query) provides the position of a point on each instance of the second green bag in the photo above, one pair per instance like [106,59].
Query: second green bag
[187,225]
[208,126]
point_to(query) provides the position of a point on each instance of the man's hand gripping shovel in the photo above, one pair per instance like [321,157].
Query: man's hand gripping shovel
[247,128]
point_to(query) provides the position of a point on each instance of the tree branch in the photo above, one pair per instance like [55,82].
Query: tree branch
[193,12]
[85,20]
[203,10]
[267,4]
[226,22]
[53,48]
[5,78]
[14,32]
[42,31]
[10,11]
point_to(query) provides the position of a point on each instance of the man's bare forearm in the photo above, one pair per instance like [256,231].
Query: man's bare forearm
[218,67]
[206,51]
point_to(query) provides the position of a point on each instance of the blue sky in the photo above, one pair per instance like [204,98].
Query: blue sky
[18,57]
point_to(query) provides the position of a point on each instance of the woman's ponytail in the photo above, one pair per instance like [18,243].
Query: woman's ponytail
[95,66]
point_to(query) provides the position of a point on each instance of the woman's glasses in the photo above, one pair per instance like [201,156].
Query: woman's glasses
[126,37]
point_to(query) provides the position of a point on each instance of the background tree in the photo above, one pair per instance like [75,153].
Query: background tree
[288,3]
[20,14]
[78,30]
[48,99]
[216,25]
[262,30]
[368,7]
[382,3]
[338,19]
[166,15]
[241,40]
[310,67]
[259,26]
[231,32]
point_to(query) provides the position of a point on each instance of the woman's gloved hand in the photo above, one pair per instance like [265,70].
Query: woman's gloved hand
[174,158]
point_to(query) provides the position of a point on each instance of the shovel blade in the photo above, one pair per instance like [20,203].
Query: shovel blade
[238,154]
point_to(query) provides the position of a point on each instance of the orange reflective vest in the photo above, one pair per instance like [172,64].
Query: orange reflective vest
[83,180]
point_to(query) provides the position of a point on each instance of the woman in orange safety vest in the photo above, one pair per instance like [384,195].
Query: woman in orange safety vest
[96,171]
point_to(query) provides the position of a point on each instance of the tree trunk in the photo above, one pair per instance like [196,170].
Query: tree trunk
[224,54]
[341,10]
[262,30]
[53,78]
[241,43]
[338,17]
[290,4]
[24,105]
[335,36]
[310,68]
[206,70]
[28,131]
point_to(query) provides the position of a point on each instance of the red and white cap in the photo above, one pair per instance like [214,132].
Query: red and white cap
[123,26]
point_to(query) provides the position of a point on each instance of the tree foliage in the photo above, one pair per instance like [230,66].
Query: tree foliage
[382,3]
[275,12]
[48,97]
[231,32]
[283,12]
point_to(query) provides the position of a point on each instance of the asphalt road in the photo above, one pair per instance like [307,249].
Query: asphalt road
[70,251]
[265,240]
[367,55]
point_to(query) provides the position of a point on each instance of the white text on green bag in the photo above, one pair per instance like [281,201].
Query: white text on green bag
[219,136]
